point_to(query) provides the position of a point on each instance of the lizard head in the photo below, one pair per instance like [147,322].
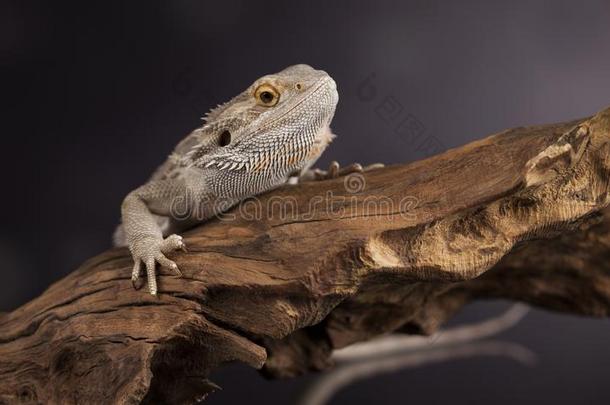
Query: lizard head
[277,112]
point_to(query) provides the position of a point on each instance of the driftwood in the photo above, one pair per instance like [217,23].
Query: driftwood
[307,269]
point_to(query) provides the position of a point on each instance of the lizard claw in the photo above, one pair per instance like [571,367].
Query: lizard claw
[151,253]
[135,274]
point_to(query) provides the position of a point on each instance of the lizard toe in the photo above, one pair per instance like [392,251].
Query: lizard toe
[353,168]
[151,275]
[373,166]
[165,262]
[172,243]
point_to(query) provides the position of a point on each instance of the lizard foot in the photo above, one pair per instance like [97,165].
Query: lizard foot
[150,252]
[335,170]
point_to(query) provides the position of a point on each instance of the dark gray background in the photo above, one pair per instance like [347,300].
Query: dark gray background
[95,96]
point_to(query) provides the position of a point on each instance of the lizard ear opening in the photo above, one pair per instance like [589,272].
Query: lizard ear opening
[225,138]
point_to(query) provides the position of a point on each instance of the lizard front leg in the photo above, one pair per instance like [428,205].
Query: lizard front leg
[143,235]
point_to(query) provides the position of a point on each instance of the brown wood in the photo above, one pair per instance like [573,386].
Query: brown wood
[521,215]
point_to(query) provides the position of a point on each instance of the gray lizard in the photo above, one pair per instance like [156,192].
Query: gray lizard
[271,133]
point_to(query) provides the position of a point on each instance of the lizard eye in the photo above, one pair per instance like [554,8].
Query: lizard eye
[266,95]
[225,138]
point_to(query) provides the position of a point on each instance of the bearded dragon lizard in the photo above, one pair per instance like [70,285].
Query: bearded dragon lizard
[271,133]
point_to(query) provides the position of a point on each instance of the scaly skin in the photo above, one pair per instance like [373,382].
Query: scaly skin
[273,131]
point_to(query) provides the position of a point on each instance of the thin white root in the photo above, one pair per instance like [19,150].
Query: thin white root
[325,387]
[397,343]
[395,352]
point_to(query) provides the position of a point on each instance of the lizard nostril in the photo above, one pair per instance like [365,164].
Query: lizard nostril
[225,138]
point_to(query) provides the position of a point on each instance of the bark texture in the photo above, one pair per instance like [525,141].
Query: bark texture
[286,278]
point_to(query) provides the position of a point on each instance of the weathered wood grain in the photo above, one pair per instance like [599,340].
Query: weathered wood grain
[286,278]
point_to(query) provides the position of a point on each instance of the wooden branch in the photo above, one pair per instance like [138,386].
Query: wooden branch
[306,269]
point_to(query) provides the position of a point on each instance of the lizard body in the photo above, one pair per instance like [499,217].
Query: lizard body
[273,131]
